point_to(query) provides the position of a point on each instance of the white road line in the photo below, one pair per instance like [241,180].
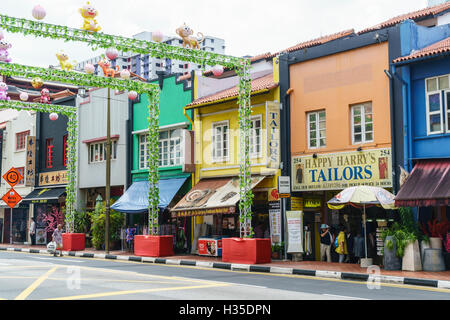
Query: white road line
[60,259]
[345,297]
[5,264]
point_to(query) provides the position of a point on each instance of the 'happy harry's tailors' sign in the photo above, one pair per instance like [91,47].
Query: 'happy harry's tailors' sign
[341,170]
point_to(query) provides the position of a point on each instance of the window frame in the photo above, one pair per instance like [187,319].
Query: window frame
[49,153]
[100,151]
[223,158]
[177,143]
[363,123]
[444,108]
[253,154]
[23,134]
[308,131]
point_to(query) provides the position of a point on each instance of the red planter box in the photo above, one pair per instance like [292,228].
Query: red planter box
[153,246]
[73,241]
[246,251]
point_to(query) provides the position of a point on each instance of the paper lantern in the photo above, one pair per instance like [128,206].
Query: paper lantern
[89,68]
[37,83]
[53,116]
[38,12]
[112,53]
[217,70]
[2,36]
[24,96]
[157,36]
[132,95]
[125,74]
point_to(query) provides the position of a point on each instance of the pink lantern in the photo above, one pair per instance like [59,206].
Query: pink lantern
[2,36]
[89,68]
[24,96]
[112,53]
[132,95]
[157,36]
[38,12]
[125,74]
[53,116]
[217,70]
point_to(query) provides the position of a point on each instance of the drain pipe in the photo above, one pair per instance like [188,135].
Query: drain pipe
[393,131]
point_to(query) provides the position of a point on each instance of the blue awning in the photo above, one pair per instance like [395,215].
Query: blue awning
[135,199]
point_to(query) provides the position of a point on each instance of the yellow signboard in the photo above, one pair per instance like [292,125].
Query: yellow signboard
[53,177]
[341,170]
[273,134]
[296,204]
[312,203]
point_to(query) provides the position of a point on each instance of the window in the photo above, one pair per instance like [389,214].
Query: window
[49,153]
[438,104]
[22,173]
[181,66]
[362,123]
[97,151]
[316,129]
[21,140]
[255,137]
[65,150]
[220,141]
[170,152]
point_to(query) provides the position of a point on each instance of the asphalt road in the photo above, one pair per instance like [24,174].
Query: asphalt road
[26,276]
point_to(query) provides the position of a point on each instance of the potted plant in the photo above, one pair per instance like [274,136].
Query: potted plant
[76,241]
[277,250]
[436,231]
[98,218]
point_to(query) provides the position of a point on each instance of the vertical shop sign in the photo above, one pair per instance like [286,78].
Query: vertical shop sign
[275,221]
[273,134]
[294,229]
[30,166]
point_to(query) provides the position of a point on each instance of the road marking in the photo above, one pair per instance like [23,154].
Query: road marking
[117,293]
[345,297]
[59,259]
[34,285]
[5,264]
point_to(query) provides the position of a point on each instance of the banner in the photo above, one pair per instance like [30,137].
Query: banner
[275,221]
[30,165]
[53,177]
[294,229]
[341,170]
[273,134]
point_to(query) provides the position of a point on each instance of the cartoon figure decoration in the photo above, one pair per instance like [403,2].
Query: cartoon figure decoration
[63,61]
[106,67]
[38,12]
[4,54]
[4,92]
[45,96]
[186,34]
[37,83]
[88,12]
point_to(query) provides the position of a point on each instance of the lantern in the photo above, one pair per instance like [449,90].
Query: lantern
[125,74]
[38,12]
[112,53]
[37,83]
[157,36]
[24,96]
[132,95]
[53,116]
[89,68]
[217,70]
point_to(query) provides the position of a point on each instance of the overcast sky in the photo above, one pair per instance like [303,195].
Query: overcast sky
[249,27]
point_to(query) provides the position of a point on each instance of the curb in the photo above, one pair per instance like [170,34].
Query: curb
[443,284]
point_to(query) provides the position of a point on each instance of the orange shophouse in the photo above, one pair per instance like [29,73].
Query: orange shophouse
[339,134]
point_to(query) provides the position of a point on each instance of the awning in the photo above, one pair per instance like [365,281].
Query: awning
[42,195]
[212,196]
[427,185]
[135,199]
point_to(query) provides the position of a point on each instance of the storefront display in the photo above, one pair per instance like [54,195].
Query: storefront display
[210,246]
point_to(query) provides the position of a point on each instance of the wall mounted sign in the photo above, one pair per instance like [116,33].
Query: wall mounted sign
[296,204]
[312,203]
[53,177]
[338,171]
[30,165]
[284,186]
[273,134]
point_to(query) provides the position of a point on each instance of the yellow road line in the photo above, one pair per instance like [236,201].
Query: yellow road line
[117,293]
[24,294]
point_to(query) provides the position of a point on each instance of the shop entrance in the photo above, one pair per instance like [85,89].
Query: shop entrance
[311,235]
[19,225]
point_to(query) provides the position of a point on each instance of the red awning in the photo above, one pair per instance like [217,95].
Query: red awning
[427,185]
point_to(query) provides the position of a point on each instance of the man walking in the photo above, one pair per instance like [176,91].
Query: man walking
[32,231]
[326,239]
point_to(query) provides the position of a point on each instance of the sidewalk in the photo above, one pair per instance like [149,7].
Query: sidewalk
[344,271]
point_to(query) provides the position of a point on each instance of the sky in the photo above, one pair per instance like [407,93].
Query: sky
[249,27]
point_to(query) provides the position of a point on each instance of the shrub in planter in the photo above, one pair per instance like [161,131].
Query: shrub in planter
[277,250]
[98,218]
[436,231]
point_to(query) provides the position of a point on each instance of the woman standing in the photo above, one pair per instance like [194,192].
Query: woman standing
[57,237]
[342,245]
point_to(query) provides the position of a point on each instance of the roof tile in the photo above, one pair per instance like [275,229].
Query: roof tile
[440,47]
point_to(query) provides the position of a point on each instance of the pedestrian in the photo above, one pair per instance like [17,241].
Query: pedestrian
[326,239]
[57,238]
[342,244]
[32,231]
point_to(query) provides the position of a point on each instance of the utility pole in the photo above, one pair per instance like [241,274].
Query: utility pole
[108,170]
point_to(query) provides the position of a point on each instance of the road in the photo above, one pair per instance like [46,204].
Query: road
[26,276]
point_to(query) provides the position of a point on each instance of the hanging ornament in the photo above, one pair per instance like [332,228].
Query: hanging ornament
[63,59]
[37,83]
[186,33]
[4,91]
[89,68]
[38,12]
[53,116]
[217,70]
[45,96]
[4,54]
[24,96]
[132,95]
[112,53]
[2,36]
[125,74]
[157,36]
[89,13]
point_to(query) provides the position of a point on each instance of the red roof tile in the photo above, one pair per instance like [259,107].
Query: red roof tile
[263,83]
[442,46]
[416,15]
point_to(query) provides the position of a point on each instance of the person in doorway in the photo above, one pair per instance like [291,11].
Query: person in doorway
[342,244]
[57,238]
[326,238]
[32,231]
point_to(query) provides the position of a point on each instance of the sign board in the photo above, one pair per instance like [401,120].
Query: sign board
[273,134]
[284,186]
[12,198]
[273,195]
[296,203]
[338,171]
[12,177]
[275,221]
[294,229]
[312,203]
[30,166]
[53,177]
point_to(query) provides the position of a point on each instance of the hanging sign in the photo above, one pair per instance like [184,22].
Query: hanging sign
[30,167]
[53,177]
[294,229]
[12,198]
[284,186]
[12,177]
[273,134]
